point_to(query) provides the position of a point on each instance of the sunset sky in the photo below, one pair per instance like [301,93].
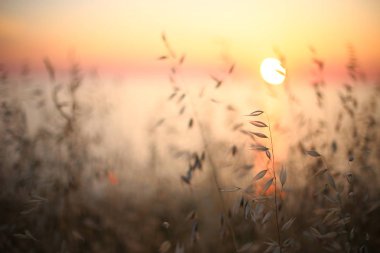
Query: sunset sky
[126,34]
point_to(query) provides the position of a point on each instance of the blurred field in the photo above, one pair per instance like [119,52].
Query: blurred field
[90,165]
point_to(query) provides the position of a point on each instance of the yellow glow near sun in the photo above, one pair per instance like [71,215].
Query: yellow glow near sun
[272,71]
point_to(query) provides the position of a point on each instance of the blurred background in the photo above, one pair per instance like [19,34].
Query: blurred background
[153,126]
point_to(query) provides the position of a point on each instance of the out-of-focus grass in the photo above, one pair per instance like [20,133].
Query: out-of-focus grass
[61,192]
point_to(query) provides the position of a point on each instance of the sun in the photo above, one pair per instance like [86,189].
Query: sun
[272,71]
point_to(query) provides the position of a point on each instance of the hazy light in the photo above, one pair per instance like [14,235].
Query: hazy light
[272,71]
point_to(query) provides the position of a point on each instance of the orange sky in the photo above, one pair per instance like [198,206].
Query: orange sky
[113,34]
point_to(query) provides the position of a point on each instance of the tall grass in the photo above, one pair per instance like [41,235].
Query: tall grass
[58,194]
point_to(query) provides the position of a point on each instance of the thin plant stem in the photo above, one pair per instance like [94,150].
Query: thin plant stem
[211,161]
[213,169]
[340,207]
[275,186]
[205,145]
